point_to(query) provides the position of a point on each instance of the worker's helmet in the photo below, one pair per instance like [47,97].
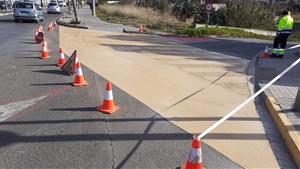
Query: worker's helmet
[285,12]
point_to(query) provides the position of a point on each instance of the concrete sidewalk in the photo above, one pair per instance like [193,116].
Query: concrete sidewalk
[5,13]
[179,82]
[94,23]
[280,98]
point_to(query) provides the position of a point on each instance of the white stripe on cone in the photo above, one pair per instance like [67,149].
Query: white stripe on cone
[76,61]
[78,72]
[195,156]
[62,55]
[108,95]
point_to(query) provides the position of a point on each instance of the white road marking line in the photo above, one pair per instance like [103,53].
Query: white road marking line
[9,110]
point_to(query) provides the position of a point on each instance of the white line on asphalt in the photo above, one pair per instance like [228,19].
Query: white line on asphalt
[9,110]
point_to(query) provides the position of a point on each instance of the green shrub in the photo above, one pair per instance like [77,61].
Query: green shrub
[249,14]
[240,13]
[75,22]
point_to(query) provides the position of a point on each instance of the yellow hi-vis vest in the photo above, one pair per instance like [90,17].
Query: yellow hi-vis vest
[285,24]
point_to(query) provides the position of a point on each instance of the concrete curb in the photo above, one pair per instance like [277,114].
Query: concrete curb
[285,127]
[4,14]
[62,23]
[283,124]
[256,31]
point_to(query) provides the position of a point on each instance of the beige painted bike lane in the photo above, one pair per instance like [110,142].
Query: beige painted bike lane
[192,88]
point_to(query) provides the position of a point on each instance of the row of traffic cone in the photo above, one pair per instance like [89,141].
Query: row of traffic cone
[51,26]
[39,34]
[45,51]
[108,106]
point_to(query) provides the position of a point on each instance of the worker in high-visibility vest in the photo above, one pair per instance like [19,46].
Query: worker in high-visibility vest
[284,30]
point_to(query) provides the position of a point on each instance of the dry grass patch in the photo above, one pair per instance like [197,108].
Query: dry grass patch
[133,15]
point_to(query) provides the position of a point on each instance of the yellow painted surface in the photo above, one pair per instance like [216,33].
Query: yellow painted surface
[161,74]
[286,129]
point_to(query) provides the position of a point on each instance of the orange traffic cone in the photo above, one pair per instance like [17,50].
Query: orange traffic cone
[44,53]
[195,157]
[49,27]
[79,79]
[76,62]
[62,59]
[44,43]
[40,28]
[108,105]
[265,54]
[54,24]
[141,29]
[52,27]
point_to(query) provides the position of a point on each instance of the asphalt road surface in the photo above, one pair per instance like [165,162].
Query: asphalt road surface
[47,123]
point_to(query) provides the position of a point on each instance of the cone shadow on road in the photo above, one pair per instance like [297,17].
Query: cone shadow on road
[29,51]
[28,42]
[27,57]
[75,109]
[57,72]
[42,65]
[50,84]
[25,39]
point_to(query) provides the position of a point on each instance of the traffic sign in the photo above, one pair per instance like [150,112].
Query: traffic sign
[208,7]
[69,66]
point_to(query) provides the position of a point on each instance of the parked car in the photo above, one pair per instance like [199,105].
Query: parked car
[53,7]
[62,3]
[28,11]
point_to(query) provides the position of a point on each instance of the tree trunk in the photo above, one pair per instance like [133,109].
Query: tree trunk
[6,7]
[75,11]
